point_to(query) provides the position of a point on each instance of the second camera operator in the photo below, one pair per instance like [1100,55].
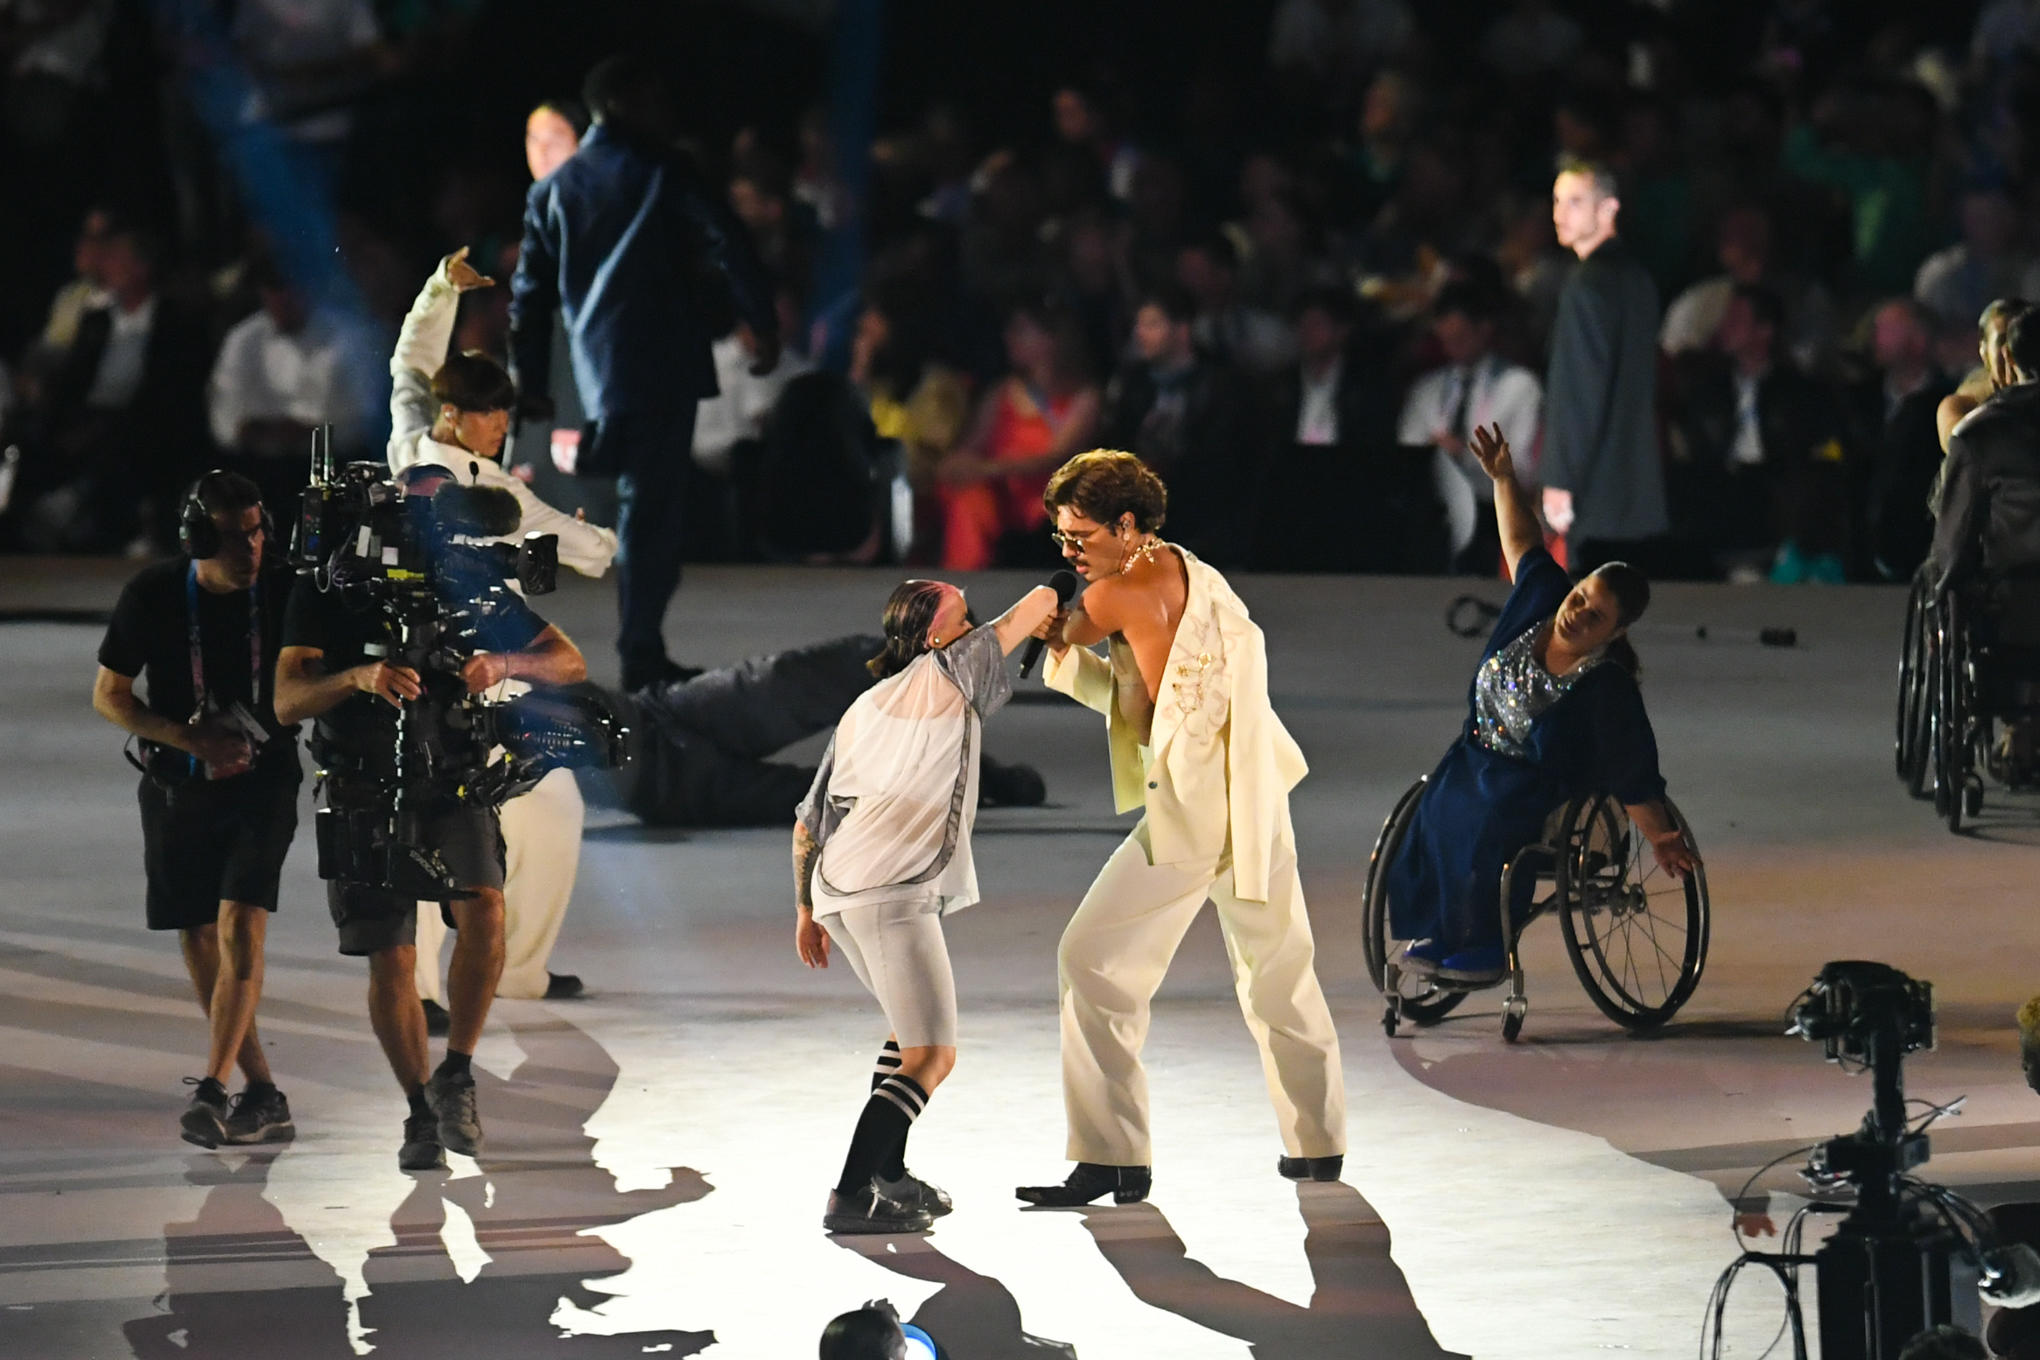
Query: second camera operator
[336,666]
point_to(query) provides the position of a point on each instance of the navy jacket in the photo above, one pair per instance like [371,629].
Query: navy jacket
[632,247]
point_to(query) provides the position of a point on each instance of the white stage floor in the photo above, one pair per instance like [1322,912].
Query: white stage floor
[659,1152]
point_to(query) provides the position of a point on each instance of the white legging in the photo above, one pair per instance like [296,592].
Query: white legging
[898,953]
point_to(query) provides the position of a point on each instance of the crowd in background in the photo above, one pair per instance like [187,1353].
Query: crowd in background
[1290,253]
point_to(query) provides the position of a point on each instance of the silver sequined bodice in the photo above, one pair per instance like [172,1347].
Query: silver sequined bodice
[1513,690]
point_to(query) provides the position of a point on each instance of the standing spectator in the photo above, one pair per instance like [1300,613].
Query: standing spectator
[1604,485]
[1895,423]
[1989,262]
[1032,421]
[1475,387]
[1760,478]
[621,237]
[1191,419]
[1744,248]
[122,424]
[281,373]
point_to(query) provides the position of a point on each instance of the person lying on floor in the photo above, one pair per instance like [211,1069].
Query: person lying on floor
[701,749]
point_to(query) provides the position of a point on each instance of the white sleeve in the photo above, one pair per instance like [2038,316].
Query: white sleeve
[587,548]
[226,393]
[421,349]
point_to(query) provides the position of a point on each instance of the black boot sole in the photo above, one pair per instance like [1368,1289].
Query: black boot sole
[856,1225]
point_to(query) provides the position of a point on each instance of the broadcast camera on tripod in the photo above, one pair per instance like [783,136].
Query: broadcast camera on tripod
[1908,1255]
[421,562]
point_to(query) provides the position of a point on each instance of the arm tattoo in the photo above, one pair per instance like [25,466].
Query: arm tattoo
[805,852]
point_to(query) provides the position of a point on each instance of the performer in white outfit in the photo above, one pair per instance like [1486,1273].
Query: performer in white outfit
[881,853]
[1195,746]
[454,411]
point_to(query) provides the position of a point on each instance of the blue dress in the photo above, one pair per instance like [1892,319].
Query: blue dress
[1482,805]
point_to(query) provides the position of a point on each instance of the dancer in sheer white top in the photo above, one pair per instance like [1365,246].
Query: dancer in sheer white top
[881,852]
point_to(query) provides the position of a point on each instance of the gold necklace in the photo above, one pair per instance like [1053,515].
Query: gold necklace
[1142,554]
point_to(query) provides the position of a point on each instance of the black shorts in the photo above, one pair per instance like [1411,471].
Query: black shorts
[370,920]
[207,841]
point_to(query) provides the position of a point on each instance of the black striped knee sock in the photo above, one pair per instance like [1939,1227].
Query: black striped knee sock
[887,1064]
[881,1138]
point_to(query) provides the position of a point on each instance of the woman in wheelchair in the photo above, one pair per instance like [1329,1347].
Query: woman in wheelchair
[1554,713]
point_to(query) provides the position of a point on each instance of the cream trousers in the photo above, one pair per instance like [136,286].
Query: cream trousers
[1112,959]
[541,856]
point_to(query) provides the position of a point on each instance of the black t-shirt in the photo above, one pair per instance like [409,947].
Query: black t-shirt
[363,727]
[149,638]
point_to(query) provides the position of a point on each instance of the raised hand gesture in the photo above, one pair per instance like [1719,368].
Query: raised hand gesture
[1493,452]
[464,276]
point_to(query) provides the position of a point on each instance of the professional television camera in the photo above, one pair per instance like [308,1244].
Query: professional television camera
[414,560]
[1909,1254]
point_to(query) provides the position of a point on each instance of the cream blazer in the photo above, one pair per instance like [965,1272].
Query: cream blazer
[1219,765]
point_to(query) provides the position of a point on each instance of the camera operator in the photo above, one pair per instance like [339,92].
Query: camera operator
[220,779]
[334,666]
[455,412]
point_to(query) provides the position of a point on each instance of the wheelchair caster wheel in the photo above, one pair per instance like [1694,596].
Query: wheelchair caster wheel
[1512,1021]
[1389,1022]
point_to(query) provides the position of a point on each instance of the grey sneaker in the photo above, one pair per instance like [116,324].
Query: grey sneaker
[453,1102]
[421,1150]
[871,1210]
[204,1120]
[915,1193]
[261,1115]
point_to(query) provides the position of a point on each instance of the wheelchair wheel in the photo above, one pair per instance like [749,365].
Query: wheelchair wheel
[1953,723]
[1636,935]
[1422,1000]
[1915,688]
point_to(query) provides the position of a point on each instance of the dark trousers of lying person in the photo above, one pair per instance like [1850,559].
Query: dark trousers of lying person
[701,749]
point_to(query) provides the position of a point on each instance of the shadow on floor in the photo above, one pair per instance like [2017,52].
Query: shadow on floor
[1361,1304]
[242,1282]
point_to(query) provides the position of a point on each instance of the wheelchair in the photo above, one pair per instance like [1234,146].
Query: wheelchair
[1968,693]
[1637,936]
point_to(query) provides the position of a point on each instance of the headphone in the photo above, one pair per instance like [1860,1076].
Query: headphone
[197,535]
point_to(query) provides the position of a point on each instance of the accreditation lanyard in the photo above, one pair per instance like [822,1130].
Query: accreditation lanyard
[198,651]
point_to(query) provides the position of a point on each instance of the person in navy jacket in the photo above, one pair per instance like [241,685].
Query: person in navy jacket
[639,255]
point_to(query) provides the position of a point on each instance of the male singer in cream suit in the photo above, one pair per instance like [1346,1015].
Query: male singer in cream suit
[454,411]
[1197,748]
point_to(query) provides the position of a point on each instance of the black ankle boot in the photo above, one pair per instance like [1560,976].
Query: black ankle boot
[1311,1168]
[1128,1184]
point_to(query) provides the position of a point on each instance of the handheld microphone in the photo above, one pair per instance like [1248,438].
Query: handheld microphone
[1064,584]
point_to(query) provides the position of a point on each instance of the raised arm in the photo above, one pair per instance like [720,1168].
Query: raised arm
[1025,618]
[421,349]
[1513,516]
